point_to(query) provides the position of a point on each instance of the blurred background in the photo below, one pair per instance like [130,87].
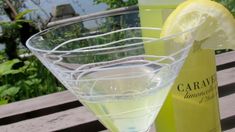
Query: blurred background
[22,76]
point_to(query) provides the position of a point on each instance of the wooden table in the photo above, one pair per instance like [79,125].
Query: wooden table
[62,112]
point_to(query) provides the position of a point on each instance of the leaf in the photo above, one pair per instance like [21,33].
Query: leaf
[2,57]
[21,14]
[32,76]
[23,21]
[2,23]
[20,70]
[33,82]
[10,91]
[3,101]
[33,69]
[3,88]
[6,67]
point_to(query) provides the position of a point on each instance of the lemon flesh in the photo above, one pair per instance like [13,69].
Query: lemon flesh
[215,25]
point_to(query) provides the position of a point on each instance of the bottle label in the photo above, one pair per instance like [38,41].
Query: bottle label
[192,104]
[200,91]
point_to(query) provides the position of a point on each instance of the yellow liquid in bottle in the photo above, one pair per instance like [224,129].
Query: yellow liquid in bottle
[192,104]
[150,18]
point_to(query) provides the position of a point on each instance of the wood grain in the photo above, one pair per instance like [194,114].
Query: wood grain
[52,122]
[77,117]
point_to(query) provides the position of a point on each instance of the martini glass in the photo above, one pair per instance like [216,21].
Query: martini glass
[105,63]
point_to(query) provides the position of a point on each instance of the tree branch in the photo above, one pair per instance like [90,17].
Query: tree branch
[1,39]
[11,7]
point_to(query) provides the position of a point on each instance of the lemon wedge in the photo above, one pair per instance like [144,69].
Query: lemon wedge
[216,28]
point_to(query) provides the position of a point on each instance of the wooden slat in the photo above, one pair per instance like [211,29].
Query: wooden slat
[35,103]
[53,122]
[40,106]
[227,106]
[225,58]
[226,77]
[230,130]
[226,82]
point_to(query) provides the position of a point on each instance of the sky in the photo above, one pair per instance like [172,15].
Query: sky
[45,7]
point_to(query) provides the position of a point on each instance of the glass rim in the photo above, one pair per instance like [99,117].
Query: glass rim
[28,42]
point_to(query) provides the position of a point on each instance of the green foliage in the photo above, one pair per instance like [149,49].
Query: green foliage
[22,14]
[11,29]
[7,92]
[28,81]
[63,34]
[117,3]
[229,4]
[6,67]
[21,78]
[12,33]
